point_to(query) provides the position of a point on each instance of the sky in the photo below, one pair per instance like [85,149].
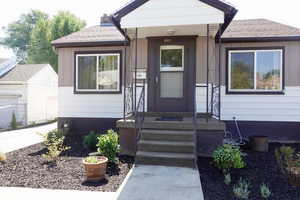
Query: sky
[286,12]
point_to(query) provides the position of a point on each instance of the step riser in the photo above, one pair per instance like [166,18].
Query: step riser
[166,148]
[165,161]
[165,137]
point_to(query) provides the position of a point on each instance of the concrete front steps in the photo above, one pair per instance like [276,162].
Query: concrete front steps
[166,147]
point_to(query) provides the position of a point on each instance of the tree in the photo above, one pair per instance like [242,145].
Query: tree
[40,49]
[19,32]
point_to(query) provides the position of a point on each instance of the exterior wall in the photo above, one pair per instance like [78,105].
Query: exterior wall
[42,96]
[285,107]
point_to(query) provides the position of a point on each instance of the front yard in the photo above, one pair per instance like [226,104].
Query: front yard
[260,168]
[28,168]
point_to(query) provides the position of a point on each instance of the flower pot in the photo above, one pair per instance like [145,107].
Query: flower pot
[95,171]
[294,176]
[259,143]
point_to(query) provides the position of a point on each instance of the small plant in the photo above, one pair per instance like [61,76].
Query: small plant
[90,141]
[108,145]
[227,157]
[2,157]
[285,157]
[13,123]
[265,192]
[241,190]
[54,142]
[227,179]
[92,160]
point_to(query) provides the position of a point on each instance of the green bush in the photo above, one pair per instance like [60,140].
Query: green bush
[108,145]
[285,158]
[227,179]
[92,160]
[227,157]
[54,142]
[241,190]
[13,123]
[90,141]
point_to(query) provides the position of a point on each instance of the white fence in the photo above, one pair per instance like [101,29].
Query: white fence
[6,113]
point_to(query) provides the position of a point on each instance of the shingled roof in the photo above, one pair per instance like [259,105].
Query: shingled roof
[22,73]
[95,34]
[251,29]
[259,29]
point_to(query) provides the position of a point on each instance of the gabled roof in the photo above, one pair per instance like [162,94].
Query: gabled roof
[228,9]
[92,36]
[22,73]
[259,30]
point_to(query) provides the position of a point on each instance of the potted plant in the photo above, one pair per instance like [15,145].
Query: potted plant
[95,167]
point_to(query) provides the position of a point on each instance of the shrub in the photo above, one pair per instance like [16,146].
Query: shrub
[227,157]
[108,145]
[241,190]
[227,179]
[265,191]
[90,141]
[13,123]
[2,157]
[54,142]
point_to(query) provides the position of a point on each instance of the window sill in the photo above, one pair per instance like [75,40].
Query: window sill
[97,92]
[254,93]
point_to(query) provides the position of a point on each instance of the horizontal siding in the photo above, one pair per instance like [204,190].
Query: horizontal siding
[262,107]
[172,13]
[90,105]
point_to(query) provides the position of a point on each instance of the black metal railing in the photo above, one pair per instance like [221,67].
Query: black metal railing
[140,112]
[128,104]
[215,101]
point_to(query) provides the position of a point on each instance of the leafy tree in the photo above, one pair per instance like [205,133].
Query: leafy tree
[19,32]
[40,49]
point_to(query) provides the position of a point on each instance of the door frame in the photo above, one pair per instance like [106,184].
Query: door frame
[154,44]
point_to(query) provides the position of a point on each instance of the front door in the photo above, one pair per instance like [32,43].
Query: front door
[171,74]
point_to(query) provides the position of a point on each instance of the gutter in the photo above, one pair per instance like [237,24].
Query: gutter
[260,39]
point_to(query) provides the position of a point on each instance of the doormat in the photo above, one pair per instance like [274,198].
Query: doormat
[179,119]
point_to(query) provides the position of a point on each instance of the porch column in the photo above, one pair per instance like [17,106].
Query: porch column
[207,70]
[220,84]
[125,78]
[135,71]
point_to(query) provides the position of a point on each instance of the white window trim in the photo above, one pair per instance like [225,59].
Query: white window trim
[97,70]
[172,69]
[255,70]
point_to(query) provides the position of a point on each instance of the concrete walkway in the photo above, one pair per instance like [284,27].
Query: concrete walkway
[162,183]
[14,140]
[12,193]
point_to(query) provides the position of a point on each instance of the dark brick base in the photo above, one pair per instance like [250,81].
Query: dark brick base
[83,126]
[276,131]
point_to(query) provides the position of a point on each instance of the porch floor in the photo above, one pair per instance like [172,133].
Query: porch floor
[151,122]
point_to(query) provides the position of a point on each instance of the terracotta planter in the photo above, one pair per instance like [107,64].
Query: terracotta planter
[294,176]
[259,143]
[95,171]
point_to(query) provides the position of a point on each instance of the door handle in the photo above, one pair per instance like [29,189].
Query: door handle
[156,79]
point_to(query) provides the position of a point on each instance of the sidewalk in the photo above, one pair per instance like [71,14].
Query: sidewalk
[162,183]
[18,139]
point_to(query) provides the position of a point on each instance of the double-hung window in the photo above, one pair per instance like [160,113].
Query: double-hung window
[99,72]
[255,70]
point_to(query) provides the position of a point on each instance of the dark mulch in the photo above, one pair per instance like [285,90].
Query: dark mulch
[27,168]
[261,168]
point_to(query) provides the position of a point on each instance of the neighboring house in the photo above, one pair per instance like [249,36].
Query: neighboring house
[29,91]
[194,59]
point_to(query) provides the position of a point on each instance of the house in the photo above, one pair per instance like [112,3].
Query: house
[174,75]
[29,91]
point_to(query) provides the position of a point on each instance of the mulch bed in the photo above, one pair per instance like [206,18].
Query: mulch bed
[261,168]
[27,168]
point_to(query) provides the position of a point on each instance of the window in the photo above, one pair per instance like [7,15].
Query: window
[98,72]
[171,58]
[255,70]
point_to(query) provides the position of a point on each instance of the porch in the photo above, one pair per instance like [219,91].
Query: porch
[172,80]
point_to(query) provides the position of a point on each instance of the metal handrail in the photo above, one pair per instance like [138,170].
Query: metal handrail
[140,112]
